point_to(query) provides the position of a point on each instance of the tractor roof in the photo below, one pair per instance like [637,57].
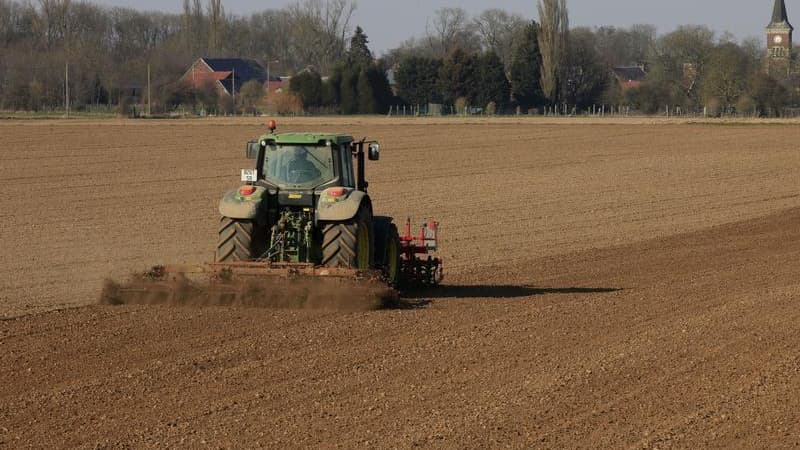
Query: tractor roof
[309,138]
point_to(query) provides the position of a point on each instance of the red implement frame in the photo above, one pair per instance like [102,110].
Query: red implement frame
[417,263]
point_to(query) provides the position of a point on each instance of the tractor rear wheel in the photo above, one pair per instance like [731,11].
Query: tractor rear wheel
[237,239]
[348,244]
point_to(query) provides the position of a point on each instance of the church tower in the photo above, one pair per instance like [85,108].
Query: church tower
[779,41]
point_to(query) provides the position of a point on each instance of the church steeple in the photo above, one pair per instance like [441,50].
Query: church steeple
[779,41]
[779,16]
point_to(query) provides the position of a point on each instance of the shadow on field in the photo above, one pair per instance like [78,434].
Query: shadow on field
[499,291]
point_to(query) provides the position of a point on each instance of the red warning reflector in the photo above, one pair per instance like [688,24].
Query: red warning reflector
[336,192]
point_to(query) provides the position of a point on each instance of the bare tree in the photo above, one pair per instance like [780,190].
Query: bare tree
[500,32]
[6,21]
[193,25]
[625,46]
[553,35]
[216,21]
[52,21]
[319,30]
[451,29]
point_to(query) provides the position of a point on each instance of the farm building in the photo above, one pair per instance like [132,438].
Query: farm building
[228,74]
[629,77]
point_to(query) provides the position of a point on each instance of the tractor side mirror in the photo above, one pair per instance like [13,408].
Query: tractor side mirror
[252,149]
[374,152]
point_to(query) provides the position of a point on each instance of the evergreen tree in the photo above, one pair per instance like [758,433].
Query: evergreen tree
[417,80]
[491,84]
[769,95]
[457,77]
[308,87]
[348,90]
[332,89]
[366,96]
[374,92]
[526,69]
[359,53]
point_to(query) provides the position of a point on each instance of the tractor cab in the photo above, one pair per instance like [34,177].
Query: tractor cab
[309,161]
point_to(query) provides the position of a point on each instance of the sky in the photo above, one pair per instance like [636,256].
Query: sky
[389,22]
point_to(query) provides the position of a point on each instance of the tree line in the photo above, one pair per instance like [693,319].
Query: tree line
[494,61]
[109,50]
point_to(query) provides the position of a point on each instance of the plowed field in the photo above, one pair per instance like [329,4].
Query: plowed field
[608,285]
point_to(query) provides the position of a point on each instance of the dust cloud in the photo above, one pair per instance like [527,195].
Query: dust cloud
[269,292]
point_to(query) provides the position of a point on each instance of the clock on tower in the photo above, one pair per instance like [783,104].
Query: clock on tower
[779,40]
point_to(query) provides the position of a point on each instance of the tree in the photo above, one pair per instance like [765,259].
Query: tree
[679,58]
[553,36]
[348,90]
[307,86]
[194,27]
[526,87]
[359,53]
[208,97]
[449,30]
[625,46]
[769,95]
[285,103]
[374,93]
[586,76]
[651,96]
[318,31]
[251,93]
[491,85]
[457,76]
[216,17]
[35,93]
[500,32]
[52,21]
[726,73]
[417,78]
[411,47]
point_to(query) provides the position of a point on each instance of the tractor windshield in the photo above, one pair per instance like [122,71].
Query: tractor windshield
[298,166]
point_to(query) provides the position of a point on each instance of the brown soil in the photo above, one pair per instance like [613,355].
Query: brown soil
[607,286]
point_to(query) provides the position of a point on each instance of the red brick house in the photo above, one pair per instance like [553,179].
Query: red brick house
[629,77]
[227,74]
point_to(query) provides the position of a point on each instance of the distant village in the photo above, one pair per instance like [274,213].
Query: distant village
[206,62]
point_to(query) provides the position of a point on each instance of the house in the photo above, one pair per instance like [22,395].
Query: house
[227,74]
[629,77]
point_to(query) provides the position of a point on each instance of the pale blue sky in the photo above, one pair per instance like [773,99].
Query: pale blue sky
[387,22]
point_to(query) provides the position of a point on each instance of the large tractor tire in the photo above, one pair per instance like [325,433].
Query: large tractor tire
[238,240]
[387,249]
[348,244]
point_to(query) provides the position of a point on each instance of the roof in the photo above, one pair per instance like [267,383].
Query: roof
[634,73]
[779,16]
[229,84]
[308,138]
[245,69]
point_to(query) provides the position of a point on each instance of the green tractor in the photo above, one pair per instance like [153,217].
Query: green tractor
[305,206]
[302,211]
